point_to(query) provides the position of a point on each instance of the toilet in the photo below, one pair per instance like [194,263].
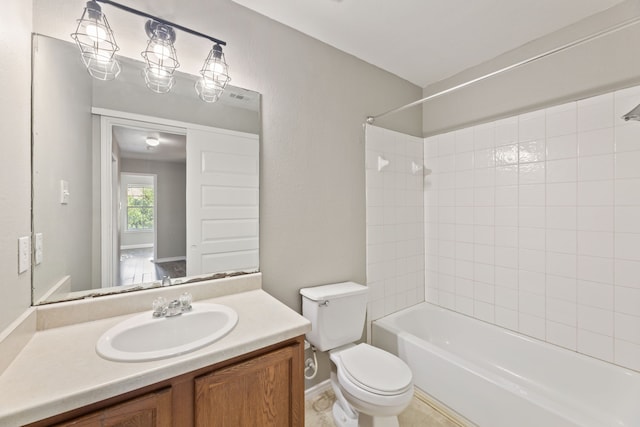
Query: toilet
[371,385]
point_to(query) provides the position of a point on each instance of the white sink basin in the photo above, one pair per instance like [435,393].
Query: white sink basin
[143,337]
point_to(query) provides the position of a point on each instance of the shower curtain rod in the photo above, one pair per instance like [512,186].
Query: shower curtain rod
[371,119]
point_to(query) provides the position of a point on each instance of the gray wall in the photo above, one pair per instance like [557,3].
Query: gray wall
[592,68]
[126,93]
[15,173]
[66,228]
[171,204]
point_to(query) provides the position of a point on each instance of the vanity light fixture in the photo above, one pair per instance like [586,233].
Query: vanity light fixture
[96,42]
[152,141]
[160,56]
[97,45]
[215,76]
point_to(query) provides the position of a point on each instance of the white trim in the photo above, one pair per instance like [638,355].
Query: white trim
[317,390]
[62,286]
[106,224]
[168,122]
[170,259]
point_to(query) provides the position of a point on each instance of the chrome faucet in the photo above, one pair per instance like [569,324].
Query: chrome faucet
[164,308]
[173,309]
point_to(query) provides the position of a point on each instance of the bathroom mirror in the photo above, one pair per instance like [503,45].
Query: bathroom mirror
[130,186]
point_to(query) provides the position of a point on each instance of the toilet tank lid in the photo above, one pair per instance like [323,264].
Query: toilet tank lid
[324,292]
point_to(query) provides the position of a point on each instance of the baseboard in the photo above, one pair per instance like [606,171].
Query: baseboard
[316,390]
[169,259]
[140,246]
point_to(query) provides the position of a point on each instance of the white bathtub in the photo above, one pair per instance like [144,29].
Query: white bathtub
[497,378]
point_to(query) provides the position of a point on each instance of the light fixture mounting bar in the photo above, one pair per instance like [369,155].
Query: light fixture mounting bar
[162,21]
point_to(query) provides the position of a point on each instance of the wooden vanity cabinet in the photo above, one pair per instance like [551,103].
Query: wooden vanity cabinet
[262,388]
[150,410]
[254,393]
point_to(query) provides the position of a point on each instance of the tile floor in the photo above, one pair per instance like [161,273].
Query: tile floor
[420,413]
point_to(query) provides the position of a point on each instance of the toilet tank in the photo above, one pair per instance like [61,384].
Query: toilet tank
[336,312]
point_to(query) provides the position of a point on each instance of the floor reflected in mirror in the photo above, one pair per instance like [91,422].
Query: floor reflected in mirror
[137,266]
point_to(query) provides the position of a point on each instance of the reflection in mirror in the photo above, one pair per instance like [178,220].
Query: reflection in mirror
[150,204]
[130,186]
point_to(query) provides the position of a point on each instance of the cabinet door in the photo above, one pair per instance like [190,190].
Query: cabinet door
[151,410]
[264,391]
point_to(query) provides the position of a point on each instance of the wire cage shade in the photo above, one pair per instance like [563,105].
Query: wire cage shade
[215,76]
[94,37]
[160,57]
[158,79]
[97,44]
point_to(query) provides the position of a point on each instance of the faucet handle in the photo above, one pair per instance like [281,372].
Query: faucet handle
[159,307]
[185,301]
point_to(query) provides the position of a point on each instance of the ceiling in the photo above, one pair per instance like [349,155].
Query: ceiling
[425,41]
[132,144]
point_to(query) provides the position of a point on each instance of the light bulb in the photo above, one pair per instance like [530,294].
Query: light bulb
[96,33]
[161,51]
[152,141]
[216,67]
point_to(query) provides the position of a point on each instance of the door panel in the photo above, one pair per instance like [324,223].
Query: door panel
[222,201]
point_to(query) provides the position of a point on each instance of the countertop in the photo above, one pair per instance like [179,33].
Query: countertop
[59,370]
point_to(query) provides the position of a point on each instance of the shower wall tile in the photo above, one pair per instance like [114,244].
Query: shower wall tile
[627,354]
[562,147]
[531,126]
[536,225]
[506,318]
[596,112]
[506,131]
[562,120]
[595,345]
[596,168]
[561,334]
[396,216]
[483,137]
[626,138]
[596,142]
[627,273]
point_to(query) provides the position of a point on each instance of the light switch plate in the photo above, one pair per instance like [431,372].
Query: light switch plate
[64,192]
[24,254]
[38,251]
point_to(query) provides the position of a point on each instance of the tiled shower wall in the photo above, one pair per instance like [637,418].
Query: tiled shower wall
[533,223]
[395,242]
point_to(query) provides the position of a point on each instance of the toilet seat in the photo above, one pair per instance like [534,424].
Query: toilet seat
[373,374]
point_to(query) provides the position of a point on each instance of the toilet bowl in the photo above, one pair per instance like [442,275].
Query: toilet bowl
[376,384]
